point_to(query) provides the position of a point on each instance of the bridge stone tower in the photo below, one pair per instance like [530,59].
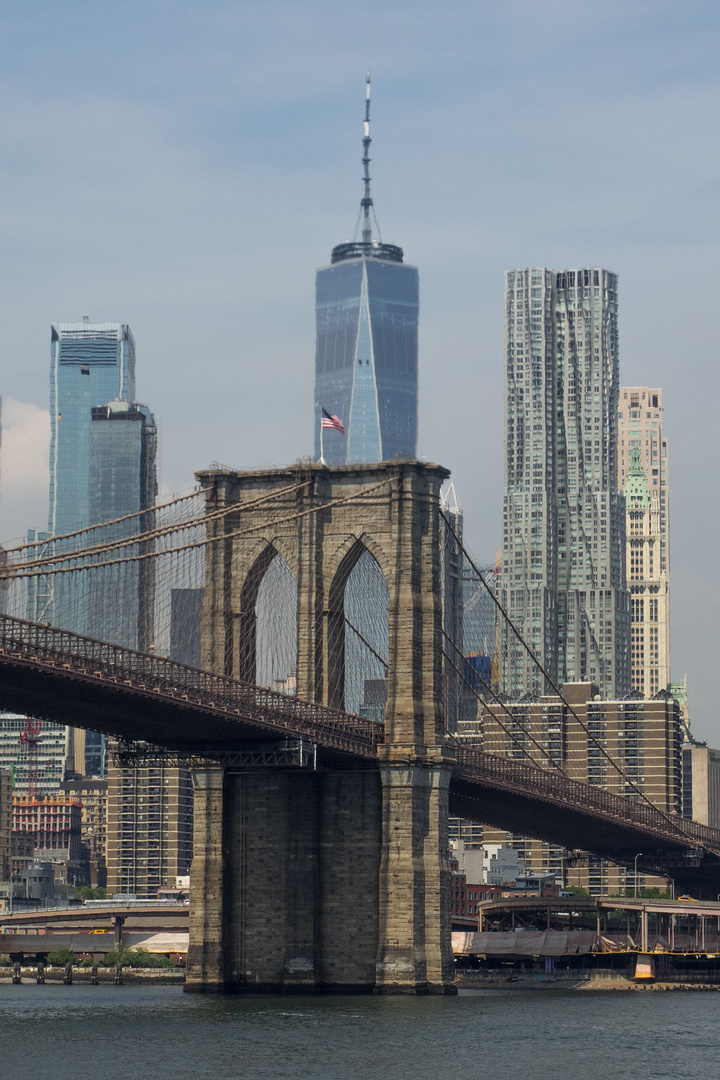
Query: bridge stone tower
[335,879]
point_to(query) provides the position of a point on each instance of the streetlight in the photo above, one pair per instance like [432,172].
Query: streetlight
[636,859]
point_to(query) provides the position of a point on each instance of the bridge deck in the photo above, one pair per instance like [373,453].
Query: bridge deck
[76,680]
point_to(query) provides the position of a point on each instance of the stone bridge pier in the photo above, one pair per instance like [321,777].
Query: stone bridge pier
[332,879]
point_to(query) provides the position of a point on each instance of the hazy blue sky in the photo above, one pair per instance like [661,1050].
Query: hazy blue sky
[185,167]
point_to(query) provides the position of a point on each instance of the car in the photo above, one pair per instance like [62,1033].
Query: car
[686,899]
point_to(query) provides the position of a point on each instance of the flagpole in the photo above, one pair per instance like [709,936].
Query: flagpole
[322,459]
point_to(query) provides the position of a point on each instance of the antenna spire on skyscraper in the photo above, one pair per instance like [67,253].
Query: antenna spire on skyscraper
[366,202]
[366,246]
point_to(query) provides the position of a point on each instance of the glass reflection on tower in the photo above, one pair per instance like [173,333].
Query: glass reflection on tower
[367,354]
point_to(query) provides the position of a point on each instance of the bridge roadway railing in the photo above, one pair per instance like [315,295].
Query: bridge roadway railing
[265,709]
[496,771]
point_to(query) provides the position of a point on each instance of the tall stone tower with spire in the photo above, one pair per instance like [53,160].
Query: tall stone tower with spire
[647,579]
[366,358]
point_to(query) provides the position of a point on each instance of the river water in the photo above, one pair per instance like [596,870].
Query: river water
[157,1032]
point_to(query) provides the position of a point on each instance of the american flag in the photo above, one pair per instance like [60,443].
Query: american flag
[329,421]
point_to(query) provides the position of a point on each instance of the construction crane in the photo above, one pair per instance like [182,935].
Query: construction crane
[30,741]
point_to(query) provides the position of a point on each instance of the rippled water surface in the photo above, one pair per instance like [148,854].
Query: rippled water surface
[133,1032]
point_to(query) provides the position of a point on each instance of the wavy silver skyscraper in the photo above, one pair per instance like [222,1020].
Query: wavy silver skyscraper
[366,360]
[563,565]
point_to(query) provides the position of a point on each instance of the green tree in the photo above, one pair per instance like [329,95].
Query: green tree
[61,957]
[137,958]
[87,892]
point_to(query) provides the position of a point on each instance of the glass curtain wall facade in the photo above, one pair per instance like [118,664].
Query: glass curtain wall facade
[90,364]
[366,360]
[122,480]
[563,566]
[102,466]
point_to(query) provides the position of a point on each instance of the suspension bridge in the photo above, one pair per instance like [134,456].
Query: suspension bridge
[342,591]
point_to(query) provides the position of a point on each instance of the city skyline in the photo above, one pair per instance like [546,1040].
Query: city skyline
[196,234]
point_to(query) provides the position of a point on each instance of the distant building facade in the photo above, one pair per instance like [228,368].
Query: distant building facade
[54,752]
[91,793]
[48,829]
[648,583]
[563,562]
[701,784]
[185,615]
[149,828]
[643,479]
[640,426]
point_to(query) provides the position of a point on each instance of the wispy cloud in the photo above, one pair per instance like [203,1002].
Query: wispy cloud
[23,467]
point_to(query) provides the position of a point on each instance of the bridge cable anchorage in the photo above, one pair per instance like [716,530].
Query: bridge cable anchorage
[556,766]
[674,820]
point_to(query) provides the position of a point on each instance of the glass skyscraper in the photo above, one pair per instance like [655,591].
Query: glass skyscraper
[90,365]
[366,358]
[102,467]
[563,564]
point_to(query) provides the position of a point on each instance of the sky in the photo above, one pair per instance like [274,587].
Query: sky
[185,167]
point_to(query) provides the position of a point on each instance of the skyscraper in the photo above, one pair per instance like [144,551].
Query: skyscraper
[102,467]
[563,565]
[122,481]
[643,476]
[648,583]
[90,365]
[640,425]
[366,359]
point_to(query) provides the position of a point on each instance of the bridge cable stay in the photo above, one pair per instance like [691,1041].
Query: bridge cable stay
[91,608]
[55,538]
[16,574]
[507,622]
[147,536]
[512,734]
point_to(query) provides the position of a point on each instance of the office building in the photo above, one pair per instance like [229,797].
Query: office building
[643,478]
[366,359]
[647,579]
[563,561]
[149,828]
[122,480]
[90,365]
[102,467]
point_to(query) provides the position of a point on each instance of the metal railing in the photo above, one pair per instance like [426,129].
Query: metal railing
[157,675]
[269,711]
[478,766]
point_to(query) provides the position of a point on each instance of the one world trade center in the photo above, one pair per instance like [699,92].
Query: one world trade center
[366,360]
